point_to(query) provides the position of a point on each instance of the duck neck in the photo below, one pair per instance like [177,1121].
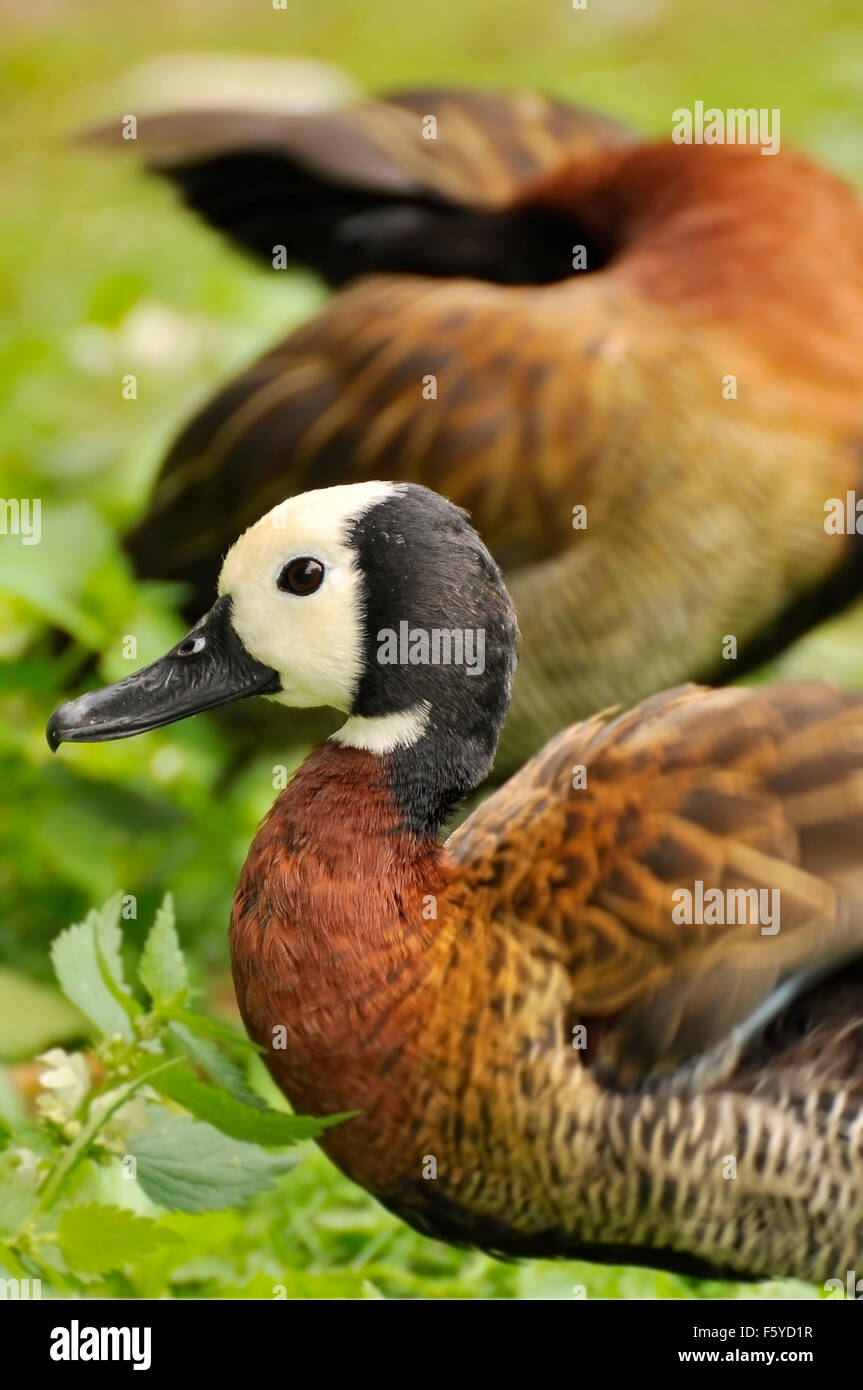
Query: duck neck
[336,908]
[335,849]
[428,759]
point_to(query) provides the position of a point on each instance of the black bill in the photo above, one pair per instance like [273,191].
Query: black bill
[209,667]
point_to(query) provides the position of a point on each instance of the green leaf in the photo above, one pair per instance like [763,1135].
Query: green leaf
[209,1028]
[219,1067]
[162,968]
[184,1165]
[81,955]
[268,1127]
[96,1238]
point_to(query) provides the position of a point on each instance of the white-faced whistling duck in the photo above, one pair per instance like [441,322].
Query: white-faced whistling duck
[691,377]
[527,1004]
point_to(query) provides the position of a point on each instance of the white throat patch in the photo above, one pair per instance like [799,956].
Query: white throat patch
[384,733]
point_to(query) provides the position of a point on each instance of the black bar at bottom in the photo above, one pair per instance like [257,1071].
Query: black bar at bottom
[254,1340]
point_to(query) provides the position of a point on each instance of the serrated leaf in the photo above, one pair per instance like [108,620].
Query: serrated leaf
[162,968]
[184,1165]
[209,1028]
[80,954]
[97,1238]
[219,1067]
[271,1128]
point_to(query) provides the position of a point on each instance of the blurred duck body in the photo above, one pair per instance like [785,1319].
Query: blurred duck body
[544,1057]
[638,365]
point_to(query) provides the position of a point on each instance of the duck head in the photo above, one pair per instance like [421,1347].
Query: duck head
[378,599]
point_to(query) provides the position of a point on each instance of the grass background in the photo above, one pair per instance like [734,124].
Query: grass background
[101,274]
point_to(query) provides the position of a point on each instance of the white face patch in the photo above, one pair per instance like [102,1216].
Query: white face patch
[314,641]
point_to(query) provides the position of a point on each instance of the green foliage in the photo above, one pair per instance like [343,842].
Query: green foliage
[243,1122]
[130,1117]
[96,1238]
[184,1165]
[162,969]
[216,1064]
[87,960]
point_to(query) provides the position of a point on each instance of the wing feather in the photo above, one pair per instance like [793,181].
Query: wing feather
[739,790]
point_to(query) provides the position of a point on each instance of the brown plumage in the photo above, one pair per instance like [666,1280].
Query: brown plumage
[453,1037]
[544,1056]
[555,387]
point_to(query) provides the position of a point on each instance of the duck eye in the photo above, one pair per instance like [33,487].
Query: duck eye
[302,576]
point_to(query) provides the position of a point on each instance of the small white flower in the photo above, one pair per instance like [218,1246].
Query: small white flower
[65,1082]
[27,1169]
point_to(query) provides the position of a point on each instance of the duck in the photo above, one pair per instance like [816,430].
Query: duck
[621,355]
[544,1046]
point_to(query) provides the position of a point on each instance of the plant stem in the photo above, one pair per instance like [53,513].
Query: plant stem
[77,1150]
